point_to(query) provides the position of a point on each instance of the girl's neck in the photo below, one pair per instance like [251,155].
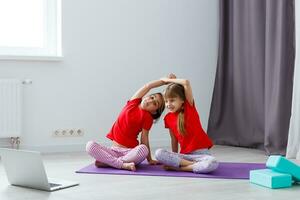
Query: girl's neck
[179,110]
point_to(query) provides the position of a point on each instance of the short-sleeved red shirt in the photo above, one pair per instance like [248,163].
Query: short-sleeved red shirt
[195,137]
[130,123]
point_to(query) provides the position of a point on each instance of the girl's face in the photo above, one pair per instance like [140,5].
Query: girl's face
[152,103]
[174,104]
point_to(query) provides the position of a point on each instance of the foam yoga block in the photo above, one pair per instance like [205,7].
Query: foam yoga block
[270,178]
[281,164]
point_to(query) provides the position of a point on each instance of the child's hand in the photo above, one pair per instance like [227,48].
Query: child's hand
[172,76]
[153,162]
[166,80]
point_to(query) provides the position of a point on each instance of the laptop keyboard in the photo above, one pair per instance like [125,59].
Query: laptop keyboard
[54,185]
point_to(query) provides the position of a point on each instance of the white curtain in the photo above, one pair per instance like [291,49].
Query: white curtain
[293,147]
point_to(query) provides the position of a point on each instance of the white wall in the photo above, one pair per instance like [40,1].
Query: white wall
[111,48]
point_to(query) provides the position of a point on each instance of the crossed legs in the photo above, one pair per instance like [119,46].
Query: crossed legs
[117,157]
[197,163]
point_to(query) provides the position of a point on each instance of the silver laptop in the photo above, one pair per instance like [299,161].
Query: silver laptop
[26,169]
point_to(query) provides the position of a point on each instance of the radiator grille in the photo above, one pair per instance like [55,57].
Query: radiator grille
[10,108]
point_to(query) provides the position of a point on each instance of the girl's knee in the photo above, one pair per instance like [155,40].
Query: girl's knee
[90,146]
[143,149]
[167,158]
[160,153]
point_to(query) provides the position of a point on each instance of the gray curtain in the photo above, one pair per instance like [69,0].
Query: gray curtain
[252,95]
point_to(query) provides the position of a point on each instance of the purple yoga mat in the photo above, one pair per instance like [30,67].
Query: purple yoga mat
[226,170]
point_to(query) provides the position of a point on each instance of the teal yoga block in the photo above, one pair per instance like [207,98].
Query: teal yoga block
[281,164]
[270,178]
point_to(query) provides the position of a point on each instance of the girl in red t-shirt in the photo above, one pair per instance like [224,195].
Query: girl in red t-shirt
[136,116]
[185,128]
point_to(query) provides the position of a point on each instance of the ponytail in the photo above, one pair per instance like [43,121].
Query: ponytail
[180,123]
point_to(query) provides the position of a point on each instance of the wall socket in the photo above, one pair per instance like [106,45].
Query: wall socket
[72,132]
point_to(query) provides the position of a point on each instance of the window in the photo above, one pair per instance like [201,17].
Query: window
[30,29]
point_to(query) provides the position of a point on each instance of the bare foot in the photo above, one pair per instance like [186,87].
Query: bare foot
[169,168]
[100,164]
[129,166]
[188,168]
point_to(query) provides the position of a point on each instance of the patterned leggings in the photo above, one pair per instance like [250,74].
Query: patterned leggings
[116,156]
[203,161]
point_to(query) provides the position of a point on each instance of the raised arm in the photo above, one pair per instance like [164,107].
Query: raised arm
[186,85]
[146,88]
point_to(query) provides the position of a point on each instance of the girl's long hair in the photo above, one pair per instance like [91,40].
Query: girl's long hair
[176,90]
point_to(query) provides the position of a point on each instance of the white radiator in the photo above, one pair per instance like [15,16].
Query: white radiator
[10,108]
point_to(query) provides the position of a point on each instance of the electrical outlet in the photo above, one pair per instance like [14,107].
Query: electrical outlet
[56,133]
[64,132]
[72,132]
[79,132]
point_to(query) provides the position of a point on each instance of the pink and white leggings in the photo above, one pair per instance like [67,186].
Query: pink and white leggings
[116,156]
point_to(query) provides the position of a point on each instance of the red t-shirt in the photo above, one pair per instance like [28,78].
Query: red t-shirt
[130,123]
[195,137]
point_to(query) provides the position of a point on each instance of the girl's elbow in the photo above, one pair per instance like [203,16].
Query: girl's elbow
[146,86]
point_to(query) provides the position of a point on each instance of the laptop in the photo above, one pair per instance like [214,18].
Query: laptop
[26,169]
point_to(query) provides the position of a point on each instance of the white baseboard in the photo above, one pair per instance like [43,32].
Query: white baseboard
[54,148]
[81,147]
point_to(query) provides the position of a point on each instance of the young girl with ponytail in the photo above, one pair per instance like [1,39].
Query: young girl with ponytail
[185,128]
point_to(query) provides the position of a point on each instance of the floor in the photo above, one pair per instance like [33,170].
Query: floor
[112,187]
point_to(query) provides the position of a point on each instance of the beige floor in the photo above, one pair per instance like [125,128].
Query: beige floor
[110,187]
